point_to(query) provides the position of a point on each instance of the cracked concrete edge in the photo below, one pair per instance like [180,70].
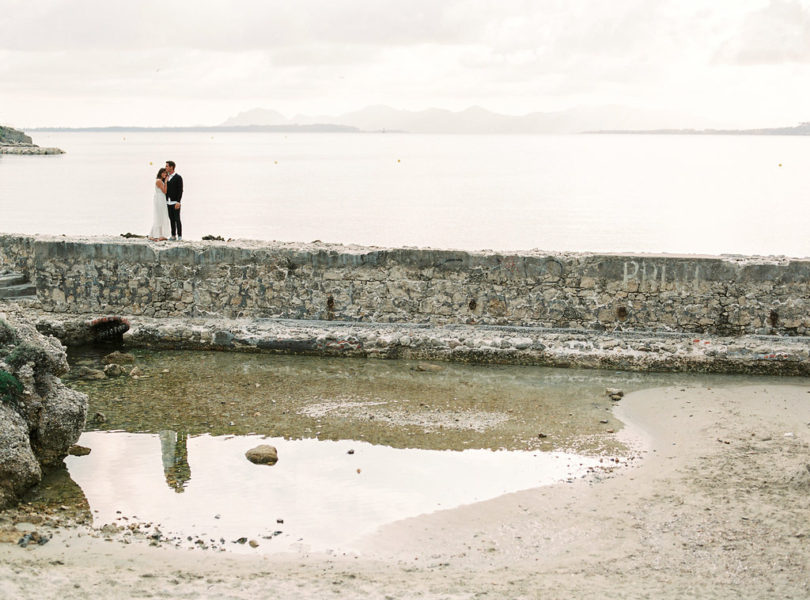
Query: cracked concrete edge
[631,351]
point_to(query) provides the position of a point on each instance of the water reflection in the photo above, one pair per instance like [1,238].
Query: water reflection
[58,490]
[174,452]
[320,495]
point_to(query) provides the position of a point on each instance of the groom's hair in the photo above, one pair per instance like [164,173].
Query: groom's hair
[171,163]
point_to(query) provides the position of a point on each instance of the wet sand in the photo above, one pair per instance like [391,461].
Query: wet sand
[717,508]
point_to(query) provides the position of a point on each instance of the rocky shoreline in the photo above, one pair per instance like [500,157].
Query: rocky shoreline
[13,141]
[29,150]
[631,351]
[40,417]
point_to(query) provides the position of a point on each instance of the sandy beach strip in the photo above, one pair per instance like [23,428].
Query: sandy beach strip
[718,507]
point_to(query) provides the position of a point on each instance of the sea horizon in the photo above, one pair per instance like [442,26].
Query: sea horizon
[694,195]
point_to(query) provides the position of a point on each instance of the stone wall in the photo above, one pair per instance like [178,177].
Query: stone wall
[715,295]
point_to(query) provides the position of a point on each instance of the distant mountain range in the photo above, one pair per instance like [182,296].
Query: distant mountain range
[476,120]
[800,129]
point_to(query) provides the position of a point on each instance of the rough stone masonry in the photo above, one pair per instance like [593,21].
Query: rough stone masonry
[727,295]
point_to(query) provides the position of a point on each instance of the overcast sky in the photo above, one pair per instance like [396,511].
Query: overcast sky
[745,63]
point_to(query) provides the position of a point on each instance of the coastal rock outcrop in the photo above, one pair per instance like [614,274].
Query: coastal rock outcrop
[40,418]
[13,141]
[9,136]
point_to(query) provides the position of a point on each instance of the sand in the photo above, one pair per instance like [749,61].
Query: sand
[718,507]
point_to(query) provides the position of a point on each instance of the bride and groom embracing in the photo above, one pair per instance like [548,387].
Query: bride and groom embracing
[166,203]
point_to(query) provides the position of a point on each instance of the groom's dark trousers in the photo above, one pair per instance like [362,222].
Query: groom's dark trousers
[174,191]
[174,220]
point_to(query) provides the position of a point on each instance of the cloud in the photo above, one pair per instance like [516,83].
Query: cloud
[776,34]
[225,25]
[119,58]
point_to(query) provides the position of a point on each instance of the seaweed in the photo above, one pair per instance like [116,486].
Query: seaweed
[10,387]
[26,353]
[7,334]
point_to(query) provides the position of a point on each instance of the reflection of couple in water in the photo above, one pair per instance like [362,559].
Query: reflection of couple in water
[174,451]
[166,205]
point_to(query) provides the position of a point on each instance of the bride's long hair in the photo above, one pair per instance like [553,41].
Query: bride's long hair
[161,172]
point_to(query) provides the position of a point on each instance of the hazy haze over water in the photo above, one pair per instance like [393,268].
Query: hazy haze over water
[683,194]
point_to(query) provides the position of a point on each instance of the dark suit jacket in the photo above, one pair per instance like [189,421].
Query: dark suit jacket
[174,188]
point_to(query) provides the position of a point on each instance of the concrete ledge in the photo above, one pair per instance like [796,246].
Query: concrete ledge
[761,355]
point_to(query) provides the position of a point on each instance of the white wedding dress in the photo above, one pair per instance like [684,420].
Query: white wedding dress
[160,216]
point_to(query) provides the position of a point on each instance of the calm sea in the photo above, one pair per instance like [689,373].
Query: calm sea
[684,194]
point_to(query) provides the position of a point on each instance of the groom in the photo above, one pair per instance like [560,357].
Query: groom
[174,192]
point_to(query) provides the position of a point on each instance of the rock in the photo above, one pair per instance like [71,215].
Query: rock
[521,343]
[19,468]
[33,538]
[76,450]
[542,435]
[113,370]
[60,426]
[427,367]
[99,417]
[135,372]
[118,358]
[9,537]
[253,544]
[89,374]
[40,418]
[614,392]
[223,338]
[263,454]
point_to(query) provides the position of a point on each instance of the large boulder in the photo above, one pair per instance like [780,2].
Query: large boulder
[19,468]
[40,418]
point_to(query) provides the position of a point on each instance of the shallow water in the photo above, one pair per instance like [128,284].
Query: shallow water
[326,498]
[361,442]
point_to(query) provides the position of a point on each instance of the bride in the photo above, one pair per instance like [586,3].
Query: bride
[160,214]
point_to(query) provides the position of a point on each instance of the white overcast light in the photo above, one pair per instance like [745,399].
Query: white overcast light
[738,63]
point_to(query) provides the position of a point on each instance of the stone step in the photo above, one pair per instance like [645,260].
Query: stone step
[19,291]
[8,279]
